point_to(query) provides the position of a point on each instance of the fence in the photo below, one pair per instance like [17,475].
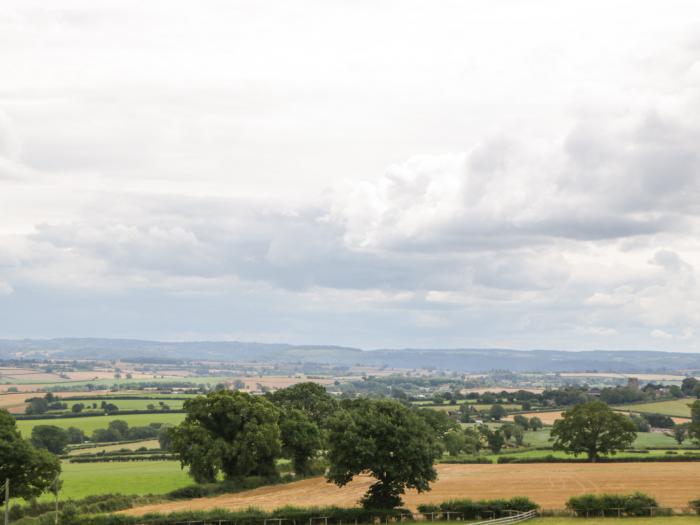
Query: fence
[621,511]
[323,520]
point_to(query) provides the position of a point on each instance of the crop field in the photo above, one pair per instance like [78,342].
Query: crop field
[147,443]
[128,404]
[130,477]
[89,424]
[549,485]
[676,407]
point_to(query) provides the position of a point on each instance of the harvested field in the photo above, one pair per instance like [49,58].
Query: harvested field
[548,418]
[614,375]
[14,402]
[550,485]
[277,382]
[498,389]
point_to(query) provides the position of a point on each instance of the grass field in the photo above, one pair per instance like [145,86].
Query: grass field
[676,407]
[549,485]
[133,477]
[128,404]
[89,424]
[148,443]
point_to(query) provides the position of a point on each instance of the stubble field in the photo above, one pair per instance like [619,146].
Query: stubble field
[549,485]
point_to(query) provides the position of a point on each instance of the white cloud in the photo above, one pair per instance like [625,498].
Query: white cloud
[247,169]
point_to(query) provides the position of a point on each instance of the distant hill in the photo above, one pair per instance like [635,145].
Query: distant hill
[462,360]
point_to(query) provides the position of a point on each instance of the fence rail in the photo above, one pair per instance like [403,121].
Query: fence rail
[515,518]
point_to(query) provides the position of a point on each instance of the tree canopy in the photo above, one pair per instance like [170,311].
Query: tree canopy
[229,432]
[31,470]
[389,441]
[594,429]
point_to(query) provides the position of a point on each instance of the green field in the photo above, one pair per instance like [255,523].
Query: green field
[676,407]
[127,404]
[132,477]
[89,424]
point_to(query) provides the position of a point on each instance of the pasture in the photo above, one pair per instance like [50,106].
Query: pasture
[129,477]
[675,407]
[147,443]
[91,423]
[549,485]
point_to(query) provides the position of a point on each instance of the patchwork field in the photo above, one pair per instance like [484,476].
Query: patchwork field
[14,402]
[676,407]
[550,485]
[89,424]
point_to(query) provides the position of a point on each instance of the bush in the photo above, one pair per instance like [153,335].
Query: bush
[496,508]
[637,504]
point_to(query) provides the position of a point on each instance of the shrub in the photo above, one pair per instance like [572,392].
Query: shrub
[636,504]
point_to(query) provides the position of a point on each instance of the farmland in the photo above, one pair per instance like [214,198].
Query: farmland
[550,485]
[676,407]
[134,477]
[91,423]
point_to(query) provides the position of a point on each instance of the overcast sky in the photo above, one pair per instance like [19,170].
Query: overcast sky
[497,173]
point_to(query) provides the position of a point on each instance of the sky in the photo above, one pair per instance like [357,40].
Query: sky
[491,173]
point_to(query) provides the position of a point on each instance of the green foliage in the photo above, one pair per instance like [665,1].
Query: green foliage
[310,398]
[75,435]
[454,442]
[30,470]
[497,412]
[637,504]
[229,432]
[694,426]
[389,441]
[470,509]
[593,428]
[494,438]
[52,438]
[301,439]
[535,423]
[659,420]
[37,405]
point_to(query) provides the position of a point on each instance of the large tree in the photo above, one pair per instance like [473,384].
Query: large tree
[310,398]
[229,432]
[301,439]
[30,470]
[52,438]
[593,428]
[694,425]
[387,440]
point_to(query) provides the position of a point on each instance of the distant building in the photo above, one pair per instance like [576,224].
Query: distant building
[633,383]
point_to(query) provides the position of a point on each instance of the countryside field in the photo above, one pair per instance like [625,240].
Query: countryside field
[549,485]
[132,477]
[91,423]
[147,443]
[676,407]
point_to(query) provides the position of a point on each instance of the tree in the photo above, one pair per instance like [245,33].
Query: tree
[164,437]
[536,423]
[694,425]
[439,421]
[389,441]
[231,432]
[472,441]
[494,438]
[310,398]
[521,420]
[75,435]
[52,438]
[30,470]
[594,429]
[679,433]
[497,411]
[37,405]
[689,385]
[301,440]
[77,408]
[518,435]
[454,442]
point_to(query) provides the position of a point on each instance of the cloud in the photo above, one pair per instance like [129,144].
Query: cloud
[200,179]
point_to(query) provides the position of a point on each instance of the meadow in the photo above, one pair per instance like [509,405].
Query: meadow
[130,477]
[675,407]
[91,423]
